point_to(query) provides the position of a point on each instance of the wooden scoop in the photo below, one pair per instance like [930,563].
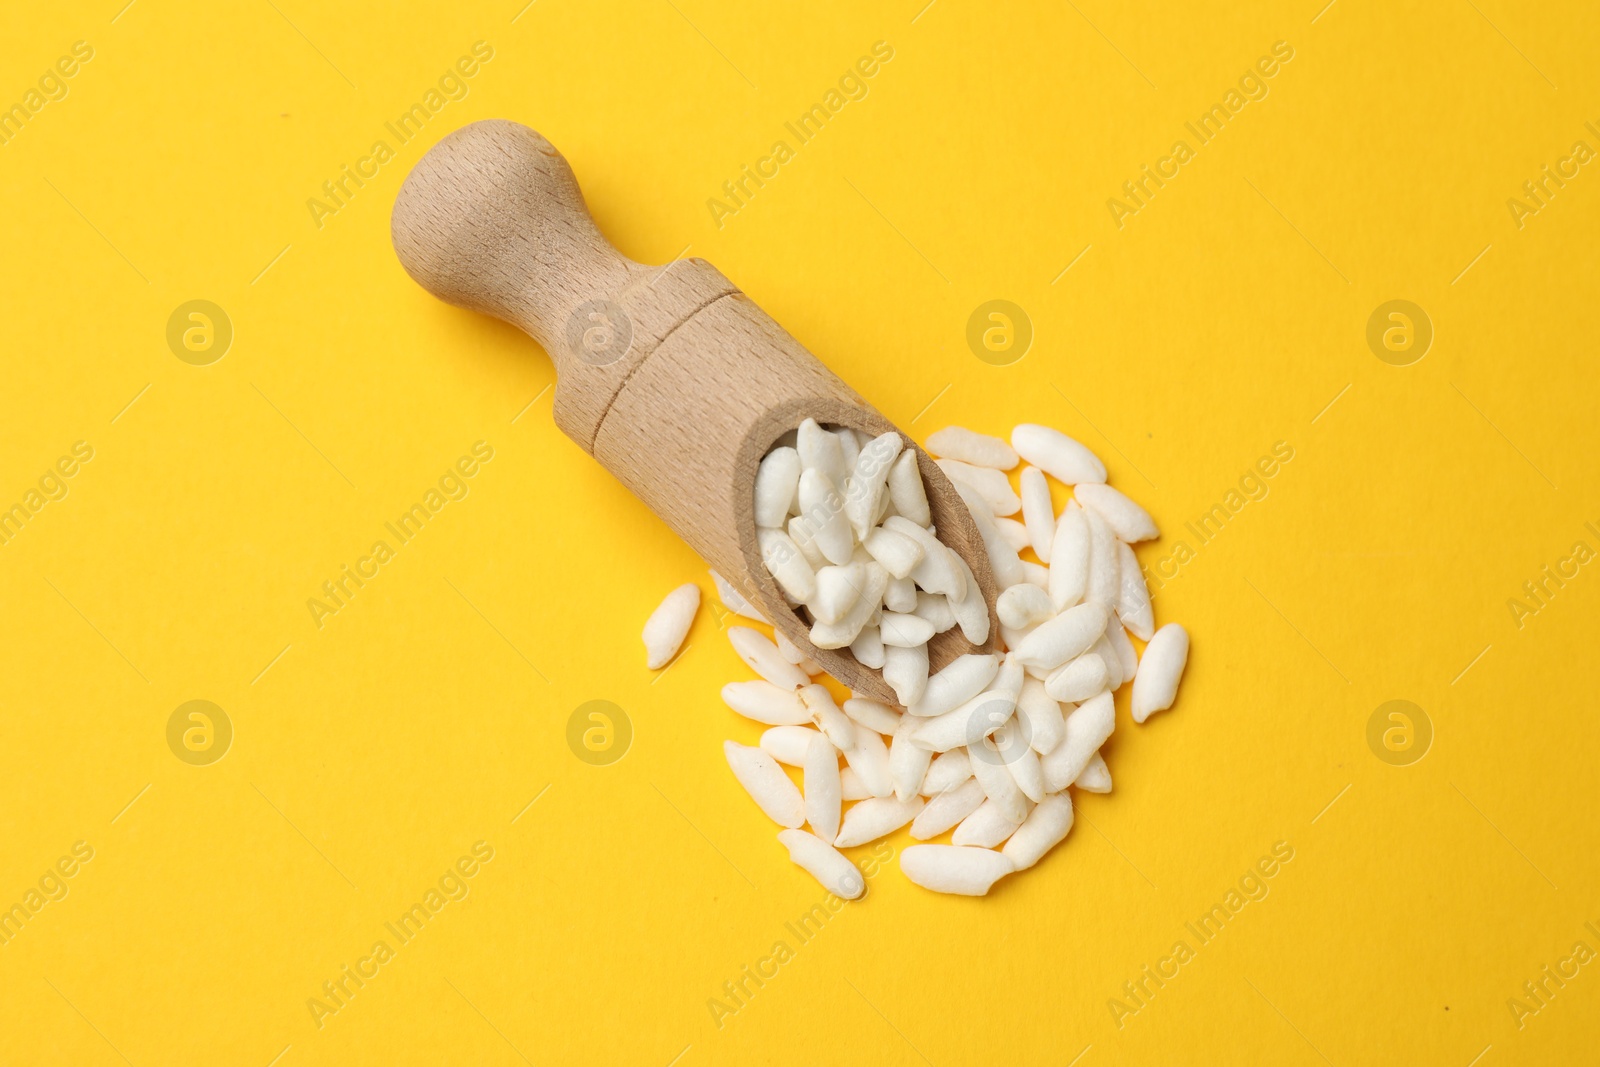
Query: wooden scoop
[669,376]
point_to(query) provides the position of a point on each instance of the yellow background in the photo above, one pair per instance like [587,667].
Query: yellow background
[369,754]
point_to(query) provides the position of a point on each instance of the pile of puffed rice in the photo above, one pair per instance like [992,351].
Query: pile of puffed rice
[987,746]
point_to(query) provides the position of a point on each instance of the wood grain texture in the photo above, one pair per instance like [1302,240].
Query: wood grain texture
[492,219]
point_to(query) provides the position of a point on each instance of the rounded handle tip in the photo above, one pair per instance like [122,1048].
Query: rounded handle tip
[492,219]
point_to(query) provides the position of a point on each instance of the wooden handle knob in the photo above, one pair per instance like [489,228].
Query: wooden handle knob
[492,219]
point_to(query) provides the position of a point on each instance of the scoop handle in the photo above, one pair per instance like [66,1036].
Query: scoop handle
[492,219]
